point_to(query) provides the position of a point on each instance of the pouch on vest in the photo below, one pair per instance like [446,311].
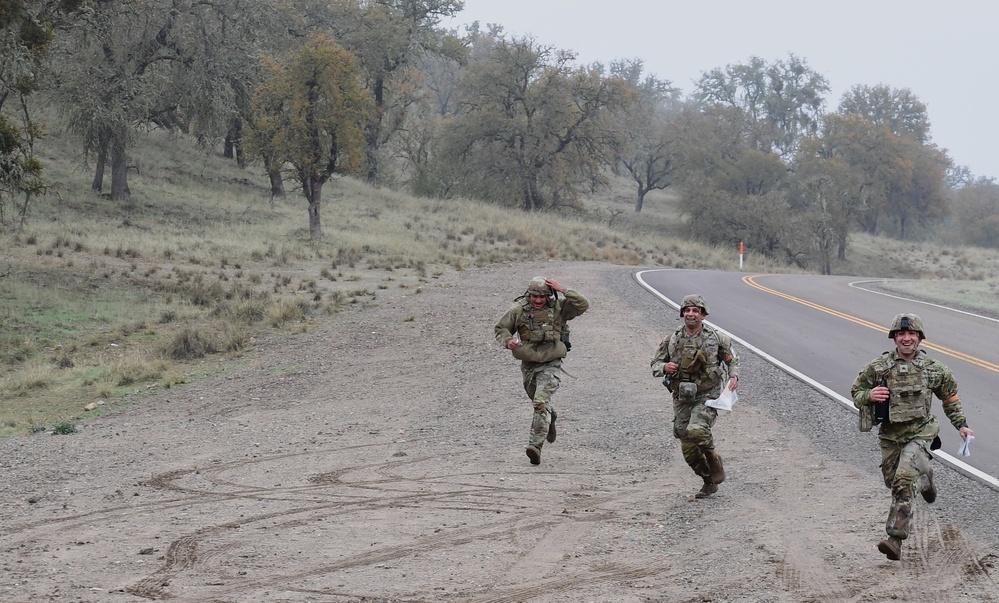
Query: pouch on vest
[540,352]
[688,391]
[866,421]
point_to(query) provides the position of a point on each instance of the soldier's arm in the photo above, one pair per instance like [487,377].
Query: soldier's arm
[947,392]
[728,356]
[506,328]
[862,386]
[661,358]
[575,304]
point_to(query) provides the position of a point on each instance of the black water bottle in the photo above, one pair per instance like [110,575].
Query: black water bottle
[881,408]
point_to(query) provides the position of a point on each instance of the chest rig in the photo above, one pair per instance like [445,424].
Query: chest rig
[910,393]
[538,326]
[697,356]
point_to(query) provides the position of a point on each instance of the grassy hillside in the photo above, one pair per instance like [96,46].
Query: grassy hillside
[101,303]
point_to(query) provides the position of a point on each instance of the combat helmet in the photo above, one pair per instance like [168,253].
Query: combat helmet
[694,299]
[906,322]
[538,286]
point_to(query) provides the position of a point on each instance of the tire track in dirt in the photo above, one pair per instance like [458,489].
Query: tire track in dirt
[937,559]
[388,490]
[944,559]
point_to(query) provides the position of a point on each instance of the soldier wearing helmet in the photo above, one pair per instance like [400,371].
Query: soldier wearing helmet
[535,329]
[895,391]
[695,361]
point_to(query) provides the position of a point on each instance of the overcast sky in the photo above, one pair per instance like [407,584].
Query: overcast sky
[945,53]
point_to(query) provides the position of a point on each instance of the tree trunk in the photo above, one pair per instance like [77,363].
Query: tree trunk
[102,156]
[641,200]
[825,255]
[314,193]
[373,131]
[119,173]
[234,142]
[24,211]
[371,154]
[277,183]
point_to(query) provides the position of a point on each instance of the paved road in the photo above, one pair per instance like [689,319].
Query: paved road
[827,327]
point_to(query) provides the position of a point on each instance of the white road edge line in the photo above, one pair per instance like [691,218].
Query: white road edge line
[943,456]
[857,285]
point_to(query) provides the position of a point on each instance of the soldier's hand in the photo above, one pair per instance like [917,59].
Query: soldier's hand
[554,285]
[513,343]
[965,432]
[880,394]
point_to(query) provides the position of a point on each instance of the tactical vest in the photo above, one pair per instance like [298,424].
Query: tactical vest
[697,356]
[540,325]
[541,332]
[911,396]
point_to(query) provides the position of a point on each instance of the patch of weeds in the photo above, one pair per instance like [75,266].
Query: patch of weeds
[234,338]
[135,369]
[248,311]
[189,344]
[284,311]
[172,379]
[64,428]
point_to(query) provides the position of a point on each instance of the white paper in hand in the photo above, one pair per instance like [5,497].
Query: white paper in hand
[724,401]
[965,448]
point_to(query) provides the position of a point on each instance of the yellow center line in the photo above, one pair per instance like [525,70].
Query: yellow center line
[751,281]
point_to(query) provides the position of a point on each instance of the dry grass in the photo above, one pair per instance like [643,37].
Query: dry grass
[105,302]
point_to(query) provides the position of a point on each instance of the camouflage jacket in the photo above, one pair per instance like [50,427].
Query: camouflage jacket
[704,358]
[933,378]
[540,330]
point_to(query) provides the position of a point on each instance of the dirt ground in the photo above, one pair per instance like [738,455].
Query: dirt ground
[380,458]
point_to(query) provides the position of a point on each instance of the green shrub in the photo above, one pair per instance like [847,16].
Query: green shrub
[64,428]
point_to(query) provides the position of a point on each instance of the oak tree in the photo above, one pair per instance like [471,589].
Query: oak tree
[311,114]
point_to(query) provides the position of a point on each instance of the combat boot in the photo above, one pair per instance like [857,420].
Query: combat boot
[891,547]
[715,465]
[534,453]
[551,428]
[707,489]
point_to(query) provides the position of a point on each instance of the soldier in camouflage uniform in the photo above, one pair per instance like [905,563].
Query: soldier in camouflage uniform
[534,329]
[895,391]
[693,362]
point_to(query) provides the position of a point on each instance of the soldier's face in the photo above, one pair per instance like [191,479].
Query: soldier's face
[538,301]
[907,342]
[692,317]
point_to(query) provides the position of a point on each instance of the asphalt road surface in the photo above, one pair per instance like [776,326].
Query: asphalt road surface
[825,329]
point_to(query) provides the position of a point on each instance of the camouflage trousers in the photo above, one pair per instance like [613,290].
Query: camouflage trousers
[902,465]
[692,423]
[541,381]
